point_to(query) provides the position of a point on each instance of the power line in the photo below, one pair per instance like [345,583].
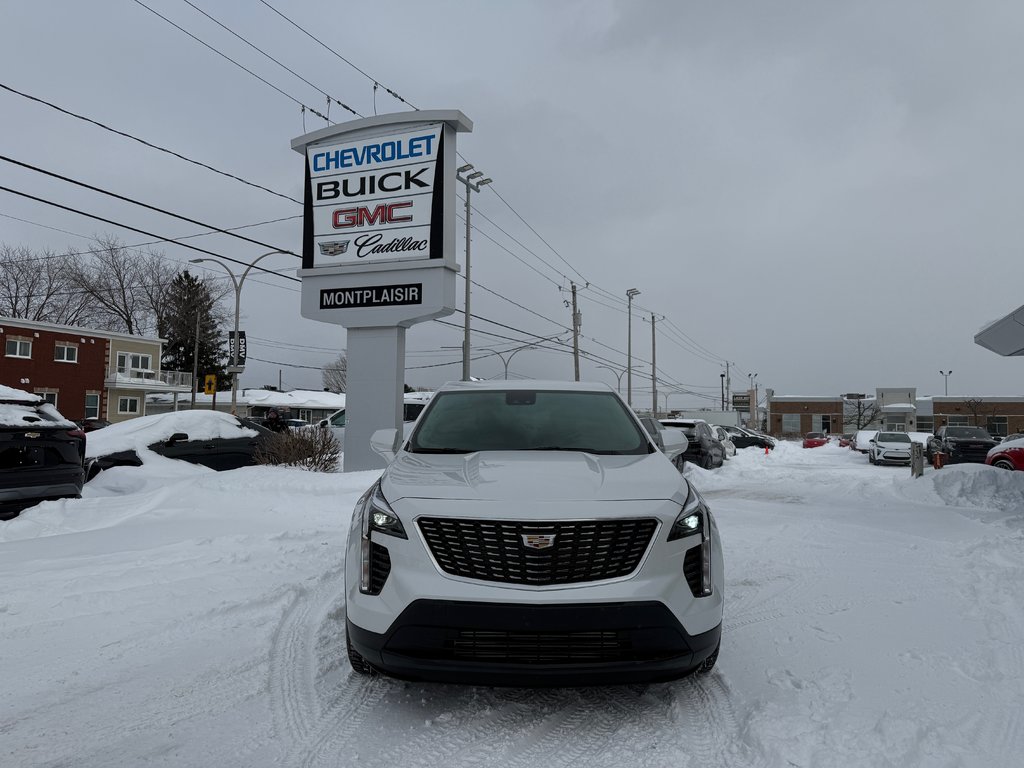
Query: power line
[149,144]
[135,245]
[141,231]
[324,45]
[240,66]
[283,66]
[142,205]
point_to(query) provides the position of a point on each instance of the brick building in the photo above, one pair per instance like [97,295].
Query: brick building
[897,409]
[796,415]
[84,372]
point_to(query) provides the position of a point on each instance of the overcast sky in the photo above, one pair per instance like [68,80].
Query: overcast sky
[825,194]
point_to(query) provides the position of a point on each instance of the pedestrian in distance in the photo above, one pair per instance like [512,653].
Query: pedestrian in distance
[274,422]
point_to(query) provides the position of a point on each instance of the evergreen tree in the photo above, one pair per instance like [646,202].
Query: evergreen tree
[191,305]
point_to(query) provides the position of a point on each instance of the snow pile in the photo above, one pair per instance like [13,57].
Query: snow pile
[136,434]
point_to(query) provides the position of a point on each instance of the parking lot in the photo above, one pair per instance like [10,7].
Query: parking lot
[178,616]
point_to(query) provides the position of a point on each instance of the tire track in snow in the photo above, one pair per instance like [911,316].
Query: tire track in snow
[294,704]
[330,738]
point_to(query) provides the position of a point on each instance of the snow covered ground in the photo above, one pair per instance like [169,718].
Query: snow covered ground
[180,617]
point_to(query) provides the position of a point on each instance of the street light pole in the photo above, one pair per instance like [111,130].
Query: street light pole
[945,379]
[512,353]
[462,173]
[629,347]
[618,376]
[237,283]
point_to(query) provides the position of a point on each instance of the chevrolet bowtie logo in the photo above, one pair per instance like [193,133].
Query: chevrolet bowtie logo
[334,247]
[538,540]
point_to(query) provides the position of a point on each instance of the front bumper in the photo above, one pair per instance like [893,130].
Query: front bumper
[530,644]
[893,457]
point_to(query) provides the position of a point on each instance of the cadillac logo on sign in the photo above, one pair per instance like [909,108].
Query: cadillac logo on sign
[334,248]
[538,540]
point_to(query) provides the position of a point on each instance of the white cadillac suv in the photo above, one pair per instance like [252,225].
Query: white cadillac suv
[532,533]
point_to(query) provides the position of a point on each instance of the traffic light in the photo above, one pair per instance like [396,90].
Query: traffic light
[210,384]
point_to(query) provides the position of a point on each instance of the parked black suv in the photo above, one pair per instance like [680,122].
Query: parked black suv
[41,453]
[961,444]
[743,438]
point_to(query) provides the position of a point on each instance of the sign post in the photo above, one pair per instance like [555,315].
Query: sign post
[378,250]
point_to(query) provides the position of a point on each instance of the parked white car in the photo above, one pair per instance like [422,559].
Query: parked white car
[890,448]
[532,532]
[413,405]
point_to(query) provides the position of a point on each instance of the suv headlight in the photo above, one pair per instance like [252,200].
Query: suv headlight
[692,519]
[695,518]
[373,513]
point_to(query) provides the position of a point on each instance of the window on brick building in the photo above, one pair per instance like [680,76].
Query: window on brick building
[791,423]
[997,426]
[64,352]
[92,405]
[18,348]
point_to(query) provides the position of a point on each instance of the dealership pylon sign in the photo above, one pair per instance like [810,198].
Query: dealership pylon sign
[378,250]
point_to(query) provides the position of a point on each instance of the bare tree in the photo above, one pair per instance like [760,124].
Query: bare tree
[39,286]
[127,288]
[335,375]
[859,414]
[977,408]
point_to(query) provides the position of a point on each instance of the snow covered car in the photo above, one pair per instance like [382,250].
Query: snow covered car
[531,533]
[862,440]
[213,439]
[890,448]
[41,453]
[1009,454]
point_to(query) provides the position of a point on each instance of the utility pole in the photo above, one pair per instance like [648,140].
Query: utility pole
[728,390]
[654,368]
[722,377]
[577,321]
[462,174]
[195,364]
[629,347]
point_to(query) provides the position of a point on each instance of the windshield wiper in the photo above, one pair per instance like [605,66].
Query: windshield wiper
[441,450]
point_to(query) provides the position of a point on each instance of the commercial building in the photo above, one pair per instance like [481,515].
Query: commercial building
[895,409]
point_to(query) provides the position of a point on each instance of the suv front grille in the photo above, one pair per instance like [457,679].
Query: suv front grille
[581,551]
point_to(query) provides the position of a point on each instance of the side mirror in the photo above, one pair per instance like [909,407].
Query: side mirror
[322,423]
[177,437]
[872,440]
[385,442]
[675,442]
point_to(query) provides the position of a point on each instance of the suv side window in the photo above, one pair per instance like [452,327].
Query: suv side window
[338,419]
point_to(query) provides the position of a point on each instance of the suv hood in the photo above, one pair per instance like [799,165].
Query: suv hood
[532,476]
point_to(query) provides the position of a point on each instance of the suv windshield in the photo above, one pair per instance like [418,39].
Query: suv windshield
[528,420]
[973,432]
[893,437]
